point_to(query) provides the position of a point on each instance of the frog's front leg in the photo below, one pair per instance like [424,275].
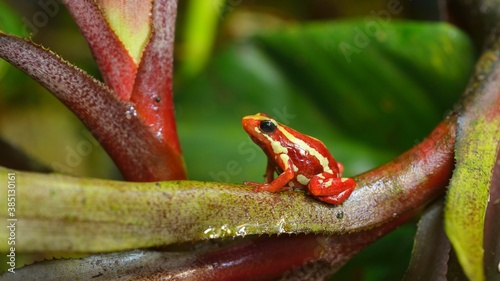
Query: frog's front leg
[331,189]
[269,175]
[280,183]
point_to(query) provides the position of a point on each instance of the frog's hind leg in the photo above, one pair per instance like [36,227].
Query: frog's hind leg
[328,188]
[335,199]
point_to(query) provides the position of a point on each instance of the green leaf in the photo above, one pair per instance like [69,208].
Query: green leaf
[9,20]
[199,34]
[478,137]
[393,75]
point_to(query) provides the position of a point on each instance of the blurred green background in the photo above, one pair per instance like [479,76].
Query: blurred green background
[370,79]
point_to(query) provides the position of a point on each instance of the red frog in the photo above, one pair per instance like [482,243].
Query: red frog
[301,161]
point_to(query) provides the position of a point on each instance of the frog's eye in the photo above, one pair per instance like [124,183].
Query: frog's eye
[267,126]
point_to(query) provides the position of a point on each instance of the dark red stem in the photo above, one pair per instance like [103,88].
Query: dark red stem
[138,154]
[148,86]
[117,66]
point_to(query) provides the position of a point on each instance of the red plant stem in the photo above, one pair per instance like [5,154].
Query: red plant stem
[305,257]
[136,152]
[152,93]
[148,86]
[117,66]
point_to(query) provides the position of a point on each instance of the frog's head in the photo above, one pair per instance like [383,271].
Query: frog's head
[261,128]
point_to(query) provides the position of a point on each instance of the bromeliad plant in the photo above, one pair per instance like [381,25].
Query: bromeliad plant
[131,115]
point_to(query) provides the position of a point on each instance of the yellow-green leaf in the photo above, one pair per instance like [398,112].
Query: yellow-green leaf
[131,21]
[478,136]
